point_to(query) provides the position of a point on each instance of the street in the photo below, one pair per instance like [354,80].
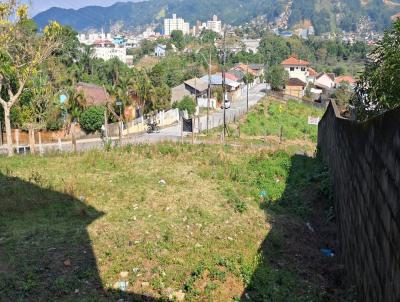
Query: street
[170,133]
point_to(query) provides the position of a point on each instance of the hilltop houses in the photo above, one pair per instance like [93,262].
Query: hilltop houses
[302,76]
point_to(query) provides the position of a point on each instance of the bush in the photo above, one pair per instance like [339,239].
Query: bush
[187,103]
[92,118]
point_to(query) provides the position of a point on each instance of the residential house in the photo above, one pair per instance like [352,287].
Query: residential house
[178,93]
[94,95]
[312,75]
[345,79]
[296,68]
[244,69]
[160,50]
[295,87]
[325,81]
[194,88]
[258,69]
[232,87]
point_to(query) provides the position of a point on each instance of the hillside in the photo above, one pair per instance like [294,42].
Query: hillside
[325,15]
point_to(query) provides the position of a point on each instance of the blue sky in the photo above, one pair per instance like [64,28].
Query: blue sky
[41,5]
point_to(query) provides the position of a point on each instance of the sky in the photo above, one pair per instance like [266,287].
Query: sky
[41,5]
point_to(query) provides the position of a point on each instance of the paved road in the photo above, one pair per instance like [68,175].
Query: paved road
[171,133]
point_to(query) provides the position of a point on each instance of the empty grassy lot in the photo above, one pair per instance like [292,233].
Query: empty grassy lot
[182,221]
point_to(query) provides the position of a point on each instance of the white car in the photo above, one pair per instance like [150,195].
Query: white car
[227,105]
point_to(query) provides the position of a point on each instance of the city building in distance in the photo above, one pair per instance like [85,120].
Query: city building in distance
[175,24]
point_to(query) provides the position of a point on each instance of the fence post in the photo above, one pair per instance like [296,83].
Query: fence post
[31,137]
[73,137]
[105,124]
[40,143]
[17,139]
[181,130]
[193,120]
[59,145]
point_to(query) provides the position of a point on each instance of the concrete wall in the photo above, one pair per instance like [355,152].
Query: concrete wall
[364,161]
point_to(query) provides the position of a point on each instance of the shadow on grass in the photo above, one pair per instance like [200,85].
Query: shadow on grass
[291,265]
[45,251]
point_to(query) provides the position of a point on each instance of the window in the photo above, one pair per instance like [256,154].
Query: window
[303,69]
[291,68]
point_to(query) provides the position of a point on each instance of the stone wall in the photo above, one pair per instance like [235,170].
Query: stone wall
[364,162]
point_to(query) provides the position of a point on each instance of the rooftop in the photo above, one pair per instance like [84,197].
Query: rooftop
[295,61]
[94,95]
[295,82]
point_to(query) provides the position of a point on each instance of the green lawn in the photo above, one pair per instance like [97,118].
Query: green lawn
[70,224]
[270,116]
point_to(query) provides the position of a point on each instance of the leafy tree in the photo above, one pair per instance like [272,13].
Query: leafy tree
[187,103]
[248,78]
[377,91]
[277,76]
[178,39]
[208,36]
[274,49]
[92,118]
[343,94]
[21,54]
[338,70]
[161,98]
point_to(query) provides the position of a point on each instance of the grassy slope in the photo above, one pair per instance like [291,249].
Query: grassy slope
[269,117]
[205,232]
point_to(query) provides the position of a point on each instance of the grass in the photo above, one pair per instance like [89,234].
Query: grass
[225,224]
[106,212]
[270,116]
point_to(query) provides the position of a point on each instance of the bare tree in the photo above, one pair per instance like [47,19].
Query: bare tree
[21,54]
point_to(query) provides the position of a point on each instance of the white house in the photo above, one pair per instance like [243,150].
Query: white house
[175,24]
[296,68]
[160,50]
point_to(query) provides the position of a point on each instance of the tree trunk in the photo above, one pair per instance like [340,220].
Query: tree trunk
[7,123]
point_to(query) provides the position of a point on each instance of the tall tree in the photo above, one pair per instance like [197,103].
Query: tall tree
[378,88]
[21,54]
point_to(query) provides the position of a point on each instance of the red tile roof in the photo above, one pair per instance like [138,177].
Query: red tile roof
[312,72]
[295,61]
[345,78]
[231,76]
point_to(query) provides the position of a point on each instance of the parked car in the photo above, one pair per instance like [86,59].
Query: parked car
[227,104]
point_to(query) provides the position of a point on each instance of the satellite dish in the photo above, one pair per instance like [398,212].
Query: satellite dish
[63,98]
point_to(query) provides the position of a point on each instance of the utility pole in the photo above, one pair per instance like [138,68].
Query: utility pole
[247,83]
[223,81]
[209,90]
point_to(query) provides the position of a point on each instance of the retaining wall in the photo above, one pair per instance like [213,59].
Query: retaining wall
[364,162]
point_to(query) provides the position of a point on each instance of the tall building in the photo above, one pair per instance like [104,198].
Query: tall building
[175,24]
[215,25]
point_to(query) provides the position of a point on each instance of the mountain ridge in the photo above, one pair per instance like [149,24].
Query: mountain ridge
[325,15]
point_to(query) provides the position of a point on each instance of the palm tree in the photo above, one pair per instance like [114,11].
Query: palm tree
[76,104]
[143,87]
[86,58]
